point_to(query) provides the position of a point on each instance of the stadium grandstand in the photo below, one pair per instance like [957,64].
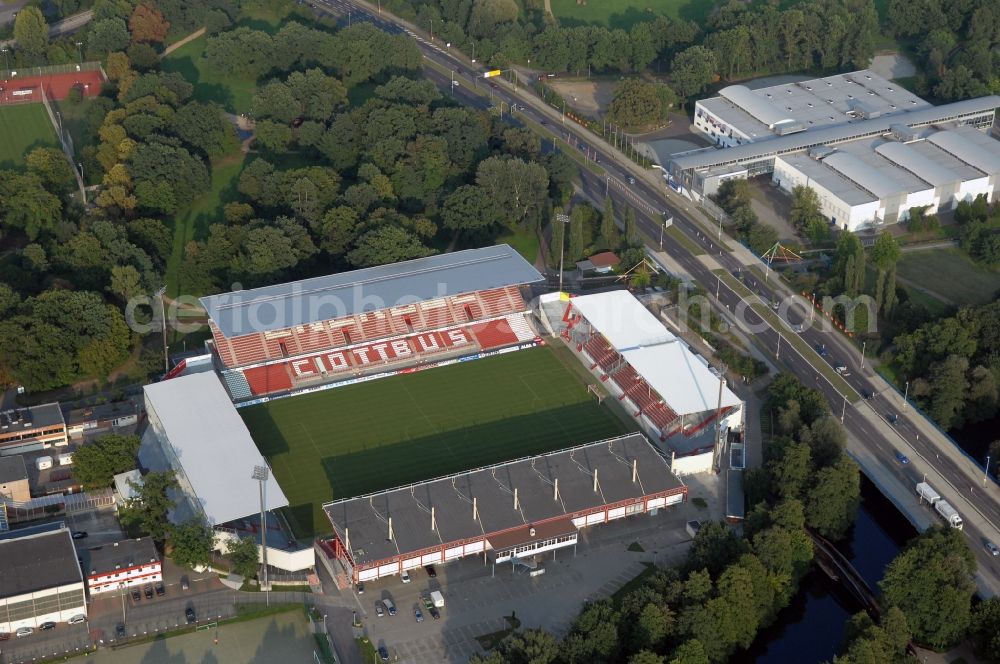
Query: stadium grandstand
[508,513]
[291,337]
[670,391]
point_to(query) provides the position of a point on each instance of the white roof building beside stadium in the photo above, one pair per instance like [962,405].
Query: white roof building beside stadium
[682,378]
[198,433]
[357,291]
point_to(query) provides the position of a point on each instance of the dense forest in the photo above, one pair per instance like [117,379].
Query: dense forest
[355,160]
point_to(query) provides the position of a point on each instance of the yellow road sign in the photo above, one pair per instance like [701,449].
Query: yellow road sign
[495,72]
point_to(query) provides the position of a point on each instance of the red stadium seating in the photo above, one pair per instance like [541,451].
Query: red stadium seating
[494,334]
[601,353]
[248,349]
[312,337]
[436,314]
[269,378]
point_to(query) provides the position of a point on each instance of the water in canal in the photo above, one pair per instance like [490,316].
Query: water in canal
[811,628]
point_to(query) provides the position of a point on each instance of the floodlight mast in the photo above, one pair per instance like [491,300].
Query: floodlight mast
[261,473]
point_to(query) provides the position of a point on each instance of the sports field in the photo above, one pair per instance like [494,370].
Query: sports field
[354,440]
[23,127]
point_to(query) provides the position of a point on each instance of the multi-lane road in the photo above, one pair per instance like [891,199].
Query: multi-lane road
[866,419]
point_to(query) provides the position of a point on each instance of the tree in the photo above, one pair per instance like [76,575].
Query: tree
[805,214]
[517,189]
[126,282]
[203,127]
[984,629]
[635,103]
[192,543]
[106,36]
[646,657]
[931,582]
[714,548]
[244,557]
[609,229]
[761,237]
[96,463]
[52,168]
[148,25]
[733,194]
[147,512]
[692,70]
[849,263]
[690,652]
[833,498]
[885,254]
[272,136]
[488,15]
[948,387]
[388,244]
[468,208]
[632,238]
[31,33]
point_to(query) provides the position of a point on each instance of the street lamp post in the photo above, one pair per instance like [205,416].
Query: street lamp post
[607,185]
[261,473]
[906,393]
[986,470]
[564,112]
[562,219]
[473,51]
[163,322]
[6,58]
[79,50]
[864,344]
[777,352]
[843,412]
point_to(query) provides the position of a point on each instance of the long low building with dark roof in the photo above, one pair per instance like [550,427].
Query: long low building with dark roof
[40,578]
[507,512]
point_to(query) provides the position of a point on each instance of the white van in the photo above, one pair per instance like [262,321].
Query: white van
[389,606]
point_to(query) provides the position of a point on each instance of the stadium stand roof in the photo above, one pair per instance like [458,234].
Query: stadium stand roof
[970,148]
[211,442]
[622,319]
[367,517]
[903,156]
[834,134]
[347,293]
[684,381]
[37,558]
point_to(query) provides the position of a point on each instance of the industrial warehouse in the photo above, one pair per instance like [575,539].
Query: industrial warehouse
[870,150]
[507,512]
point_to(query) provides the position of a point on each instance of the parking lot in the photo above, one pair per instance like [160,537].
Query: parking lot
[478,596]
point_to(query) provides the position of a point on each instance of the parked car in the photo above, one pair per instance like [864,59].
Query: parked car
[47,625]
[120,631]
[389,606]
[4,636]
[992,548]
[383,653]
[418,614]
[902,458]
[189,614]
[184,583]
[77,619]
[379,611]
[148,592]
[160,590]
[361,588]
[406,576]
[79,534]
[435,614]
[136,595]
[24,631]
[431,572]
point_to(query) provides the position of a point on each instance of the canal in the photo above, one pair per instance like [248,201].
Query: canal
[812,627]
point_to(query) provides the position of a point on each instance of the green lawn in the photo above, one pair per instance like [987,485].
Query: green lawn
[205,210]
[234,93]
[950,274]
[354,440]
[524,242]
[23,127]
[624,14]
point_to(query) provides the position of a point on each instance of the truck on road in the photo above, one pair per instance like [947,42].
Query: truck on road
[927,492]
[949,513]
[437,598]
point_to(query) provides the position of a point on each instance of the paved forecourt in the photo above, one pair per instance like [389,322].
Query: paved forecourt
[358,439]
[282,637]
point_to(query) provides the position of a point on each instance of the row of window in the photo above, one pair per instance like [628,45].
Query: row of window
[127,573]
[536,545]
[10,438]
[26,609]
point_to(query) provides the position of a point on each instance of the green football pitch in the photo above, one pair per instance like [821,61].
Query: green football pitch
[23,127]
[354,440]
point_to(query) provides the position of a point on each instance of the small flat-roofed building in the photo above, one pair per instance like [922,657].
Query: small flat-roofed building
[40,578]
[513,510]
[14,479]
[112,567]
[31,428]
[601,263]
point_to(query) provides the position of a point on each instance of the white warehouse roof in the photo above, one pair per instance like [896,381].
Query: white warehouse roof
[758,107]
[865,176]
[213,445]
[970,148]
[622,319]
[906,157]
[680,377]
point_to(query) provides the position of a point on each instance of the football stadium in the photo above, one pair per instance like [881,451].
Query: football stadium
[409,413]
